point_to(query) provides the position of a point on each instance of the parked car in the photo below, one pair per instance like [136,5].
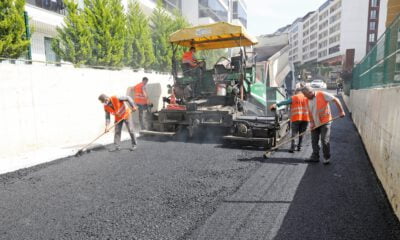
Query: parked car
[317,83]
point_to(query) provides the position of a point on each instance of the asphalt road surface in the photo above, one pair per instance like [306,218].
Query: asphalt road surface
[200,190]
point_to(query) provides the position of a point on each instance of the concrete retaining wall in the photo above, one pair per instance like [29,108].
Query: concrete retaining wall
[48,106]
[376,113]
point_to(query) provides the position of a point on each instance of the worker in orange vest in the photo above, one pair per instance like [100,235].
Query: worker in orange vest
[189,58]
[116,106]
[299,116]
[320,121]
[141,99]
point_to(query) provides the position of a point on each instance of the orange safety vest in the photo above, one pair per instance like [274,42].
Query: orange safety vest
[323,109]
[299,108]
[138,95]
[187,57]
[119,110]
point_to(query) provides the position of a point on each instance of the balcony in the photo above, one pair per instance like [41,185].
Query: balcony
[56,6]
[239,13]
[171,5]
[214,10]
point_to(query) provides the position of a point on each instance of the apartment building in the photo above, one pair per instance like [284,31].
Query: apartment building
[324,35]
[209,11]
[46,15]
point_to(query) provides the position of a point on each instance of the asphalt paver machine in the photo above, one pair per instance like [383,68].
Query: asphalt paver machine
[232,96]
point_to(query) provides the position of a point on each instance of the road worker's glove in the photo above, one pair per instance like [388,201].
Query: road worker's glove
[342,114]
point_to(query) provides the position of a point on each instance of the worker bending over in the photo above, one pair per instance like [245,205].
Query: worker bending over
[116,106]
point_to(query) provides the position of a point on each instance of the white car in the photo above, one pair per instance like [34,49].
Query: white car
[317,83]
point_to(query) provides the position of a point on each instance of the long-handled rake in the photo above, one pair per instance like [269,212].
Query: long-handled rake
[84,149]
[269,151]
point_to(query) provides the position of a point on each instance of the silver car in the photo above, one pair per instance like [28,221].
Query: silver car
[317,83]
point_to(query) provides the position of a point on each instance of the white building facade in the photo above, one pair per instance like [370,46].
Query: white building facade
[46,15]
[324,35]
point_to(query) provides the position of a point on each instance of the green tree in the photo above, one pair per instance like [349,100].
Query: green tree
[163,26]
[107,22]
[74,40]
[13,42]
[212,56]
[138,46]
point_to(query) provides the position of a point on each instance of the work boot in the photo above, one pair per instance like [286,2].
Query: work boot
[299,148]
[115,149]
[292,147]
[312,159]
[326,161]
[133,148]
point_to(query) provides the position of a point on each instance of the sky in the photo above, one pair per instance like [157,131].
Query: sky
[266,16]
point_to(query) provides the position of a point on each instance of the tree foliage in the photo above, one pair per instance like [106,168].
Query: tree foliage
[163,26]
[106,21]
[74,40]
[212,56]
[13,42]
[138,46]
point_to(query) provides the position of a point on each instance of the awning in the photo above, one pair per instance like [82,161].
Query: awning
[213,36]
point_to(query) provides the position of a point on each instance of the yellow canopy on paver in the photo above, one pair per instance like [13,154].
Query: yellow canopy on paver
[213,36]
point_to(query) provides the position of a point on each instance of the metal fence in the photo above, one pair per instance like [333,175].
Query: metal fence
[381,66]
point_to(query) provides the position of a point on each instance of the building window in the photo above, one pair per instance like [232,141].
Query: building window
[314,18]
[213,9]
[373,14]
[335,17]
[239,13]
[323,15]
[51,5]
[323,44]
[313,36]
[49,52]
[372,26]
[335,7]
[313,53]
[323,35]
[313,27]
[334,29]
[323,25]
[334,49]
[371,37]
[334,39]
[322,53]
[374,3]
[313,45]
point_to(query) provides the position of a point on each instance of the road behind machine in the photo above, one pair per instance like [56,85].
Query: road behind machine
[232,96]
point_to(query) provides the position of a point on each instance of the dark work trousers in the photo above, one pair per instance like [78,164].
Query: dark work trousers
[118,129]
[325,132]
[298,127]
[141,115]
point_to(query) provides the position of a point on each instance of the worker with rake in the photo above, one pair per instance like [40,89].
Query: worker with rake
[116,106]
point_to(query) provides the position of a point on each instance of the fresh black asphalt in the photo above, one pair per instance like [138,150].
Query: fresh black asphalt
[200,190]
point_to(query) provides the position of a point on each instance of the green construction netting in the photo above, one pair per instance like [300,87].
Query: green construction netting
[381,66]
